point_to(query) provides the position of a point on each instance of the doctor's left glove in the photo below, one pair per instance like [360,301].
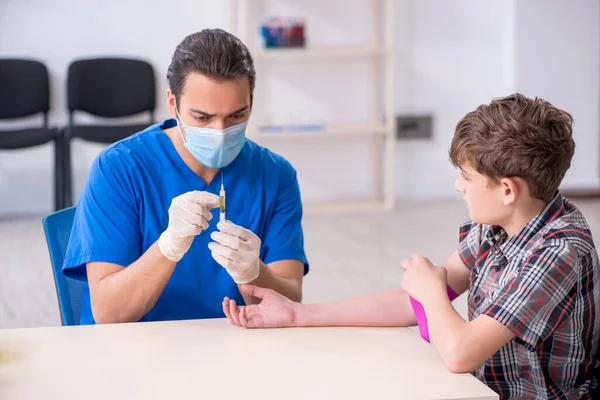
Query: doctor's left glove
[188,216]
[237,250]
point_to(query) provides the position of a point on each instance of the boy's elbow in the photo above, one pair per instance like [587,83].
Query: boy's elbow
[459,366]
[458,359]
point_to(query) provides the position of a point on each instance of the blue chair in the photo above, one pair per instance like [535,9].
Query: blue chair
[57,227]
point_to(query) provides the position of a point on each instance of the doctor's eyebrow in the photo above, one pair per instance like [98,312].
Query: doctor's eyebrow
[195,110]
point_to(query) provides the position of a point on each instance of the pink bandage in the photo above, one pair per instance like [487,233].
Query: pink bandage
[420,313]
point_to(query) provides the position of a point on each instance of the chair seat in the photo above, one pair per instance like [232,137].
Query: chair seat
[105,133]
[23,138]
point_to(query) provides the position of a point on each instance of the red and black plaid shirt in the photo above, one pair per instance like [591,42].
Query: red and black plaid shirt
[543,285]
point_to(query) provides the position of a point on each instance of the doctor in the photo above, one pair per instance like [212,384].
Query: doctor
[145,237]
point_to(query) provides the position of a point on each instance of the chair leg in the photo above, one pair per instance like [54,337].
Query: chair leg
[59,189]
[67,178]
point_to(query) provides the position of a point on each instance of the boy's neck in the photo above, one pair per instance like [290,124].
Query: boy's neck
[528,210]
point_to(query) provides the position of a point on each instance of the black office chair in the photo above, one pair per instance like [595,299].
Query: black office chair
[106,87]
[25,91]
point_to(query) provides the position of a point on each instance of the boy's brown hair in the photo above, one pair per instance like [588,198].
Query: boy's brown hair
[516,136]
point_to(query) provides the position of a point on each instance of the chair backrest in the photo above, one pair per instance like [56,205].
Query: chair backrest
[24,88]
[57,227]
[111,87]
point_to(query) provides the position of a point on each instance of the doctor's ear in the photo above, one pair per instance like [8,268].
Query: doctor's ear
[171,103]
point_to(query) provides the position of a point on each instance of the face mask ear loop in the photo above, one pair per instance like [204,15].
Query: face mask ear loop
[180,122]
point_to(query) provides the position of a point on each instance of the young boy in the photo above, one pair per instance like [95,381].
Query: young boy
[526,257]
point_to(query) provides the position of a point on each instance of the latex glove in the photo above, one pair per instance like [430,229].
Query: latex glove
[237,250]
[188,216]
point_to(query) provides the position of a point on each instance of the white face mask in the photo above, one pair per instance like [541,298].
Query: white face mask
[213,148]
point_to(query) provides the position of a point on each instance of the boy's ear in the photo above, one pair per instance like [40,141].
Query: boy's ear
[510,190]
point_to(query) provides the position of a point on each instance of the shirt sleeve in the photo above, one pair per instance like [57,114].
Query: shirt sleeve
[106,227]
[541,297]
[470,239]
[284,238]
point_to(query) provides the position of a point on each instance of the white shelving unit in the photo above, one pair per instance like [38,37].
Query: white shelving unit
[382,131]
[318,52]
[330,130]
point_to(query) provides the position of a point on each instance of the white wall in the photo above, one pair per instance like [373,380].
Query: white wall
[452,56]
[557,58]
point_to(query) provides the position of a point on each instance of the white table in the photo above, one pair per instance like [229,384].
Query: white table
[211,359]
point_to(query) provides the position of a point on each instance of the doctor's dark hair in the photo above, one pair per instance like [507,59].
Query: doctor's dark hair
[214,53]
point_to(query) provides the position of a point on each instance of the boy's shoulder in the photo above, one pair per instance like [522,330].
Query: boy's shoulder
[563,228]
[561,225]
[569,228]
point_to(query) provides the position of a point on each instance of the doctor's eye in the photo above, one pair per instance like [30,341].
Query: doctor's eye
[238,116]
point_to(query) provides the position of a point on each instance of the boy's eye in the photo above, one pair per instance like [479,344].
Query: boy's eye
[202,119]
[238,116]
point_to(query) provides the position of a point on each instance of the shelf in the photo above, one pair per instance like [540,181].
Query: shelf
[329,131]
[378,52]
[295,53]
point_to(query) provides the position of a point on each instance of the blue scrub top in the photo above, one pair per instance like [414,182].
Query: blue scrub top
[124,205]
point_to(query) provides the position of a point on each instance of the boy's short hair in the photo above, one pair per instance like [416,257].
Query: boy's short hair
[516,136]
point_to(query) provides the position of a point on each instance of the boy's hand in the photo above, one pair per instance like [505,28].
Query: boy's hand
[274,311]
[422,279]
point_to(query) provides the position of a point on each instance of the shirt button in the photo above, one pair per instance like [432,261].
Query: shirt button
[477,298]
[498,268]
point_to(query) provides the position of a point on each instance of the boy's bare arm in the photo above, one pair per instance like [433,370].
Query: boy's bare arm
[463,345]
[388,308]
[458,273]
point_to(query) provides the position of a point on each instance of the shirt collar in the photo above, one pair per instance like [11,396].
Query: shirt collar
[517,243]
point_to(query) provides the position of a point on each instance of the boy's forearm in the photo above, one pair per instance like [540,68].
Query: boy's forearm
[447,330]
[389,308]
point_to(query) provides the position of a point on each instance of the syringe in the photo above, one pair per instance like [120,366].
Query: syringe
[222,201]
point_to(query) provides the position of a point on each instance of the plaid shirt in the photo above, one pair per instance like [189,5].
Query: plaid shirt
[542,284]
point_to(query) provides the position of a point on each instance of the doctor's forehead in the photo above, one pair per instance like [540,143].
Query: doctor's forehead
[199,88]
